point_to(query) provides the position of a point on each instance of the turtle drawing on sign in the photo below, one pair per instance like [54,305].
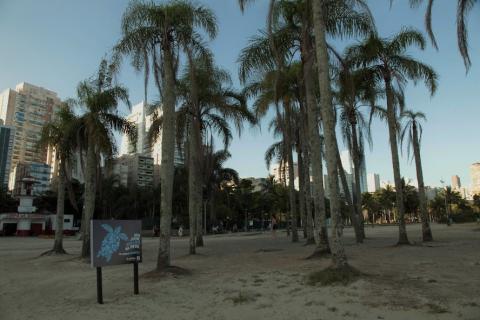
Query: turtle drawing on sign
[111,242]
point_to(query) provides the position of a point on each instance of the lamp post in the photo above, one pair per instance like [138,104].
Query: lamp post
[446,203]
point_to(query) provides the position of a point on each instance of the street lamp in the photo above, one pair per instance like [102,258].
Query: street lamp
[446,203]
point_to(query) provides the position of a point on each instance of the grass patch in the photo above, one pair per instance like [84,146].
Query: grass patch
[334,276]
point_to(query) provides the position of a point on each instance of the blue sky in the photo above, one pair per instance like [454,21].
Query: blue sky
[57,43]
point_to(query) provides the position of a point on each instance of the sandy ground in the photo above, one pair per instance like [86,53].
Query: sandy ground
[252,276]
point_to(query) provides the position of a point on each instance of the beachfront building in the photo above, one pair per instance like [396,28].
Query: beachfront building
[456,185]
[279,171]
[373,182]
[6,150]
[133,170]
[40,173]
[142,115]
[27,109]
[347,163]
[475,178]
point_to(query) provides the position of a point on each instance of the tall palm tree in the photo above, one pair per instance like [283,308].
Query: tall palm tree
[99,97]
[354,92]
[412,131]
[388,62]
[152,34]
[463,9]
[339,257]
[59,134]
[341,20]
[276,88]
[211,108]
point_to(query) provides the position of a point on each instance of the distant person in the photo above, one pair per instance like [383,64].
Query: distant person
[274,227]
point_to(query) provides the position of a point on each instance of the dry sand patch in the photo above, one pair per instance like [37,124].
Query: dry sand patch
[252,277]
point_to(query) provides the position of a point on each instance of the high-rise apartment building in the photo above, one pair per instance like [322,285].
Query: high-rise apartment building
[27,109]
[475,177]
[347,163]
[142,118]
[373,182]
[133,170]
[456,185]
[281,175]
[39,173]
[6,150]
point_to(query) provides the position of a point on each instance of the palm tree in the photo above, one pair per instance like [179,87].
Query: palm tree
[388,62]
[152,35]
[339,257]
[59,134]
[274,89]
[412,131]
[354,92]
[99,97]
[463,9]
[216,175]
[210,109]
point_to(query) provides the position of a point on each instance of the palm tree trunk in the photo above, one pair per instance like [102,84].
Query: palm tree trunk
[339,257]
[90,191]
[305,177]
[348,198]
[308,204]
[301,194]
[357,195]
[195,187]
[392,130]
[167,164]
[198,204]
[291,170]
[58,244]
[426,231]
[315,148]
[192,188]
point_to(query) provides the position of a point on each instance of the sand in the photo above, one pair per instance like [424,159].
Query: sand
[252,276]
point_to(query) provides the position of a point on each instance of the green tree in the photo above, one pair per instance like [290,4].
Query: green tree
[216,176]
[388,61]
[153,34]
[60,135]
[99,97]
[218,106]
[463,9]
[412,131]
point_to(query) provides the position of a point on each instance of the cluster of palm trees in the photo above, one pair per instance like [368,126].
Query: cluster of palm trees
[291,68]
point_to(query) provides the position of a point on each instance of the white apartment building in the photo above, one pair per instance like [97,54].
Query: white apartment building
[27,109]
[373,182]
[143,118]
[281,174]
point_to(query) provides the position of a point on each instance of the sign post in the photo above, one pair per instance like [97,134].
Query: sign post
[99,286]
[135,278]
[115,242]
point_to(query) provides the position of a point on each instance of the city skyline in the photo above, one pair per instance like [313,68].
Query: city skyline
[78,55]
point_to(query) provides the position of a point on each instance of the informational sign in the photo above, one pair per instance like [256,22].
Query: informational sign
[115,242]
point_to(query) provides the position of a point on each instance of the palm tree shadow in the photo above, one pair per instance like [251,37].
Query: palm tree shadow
[168,272]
